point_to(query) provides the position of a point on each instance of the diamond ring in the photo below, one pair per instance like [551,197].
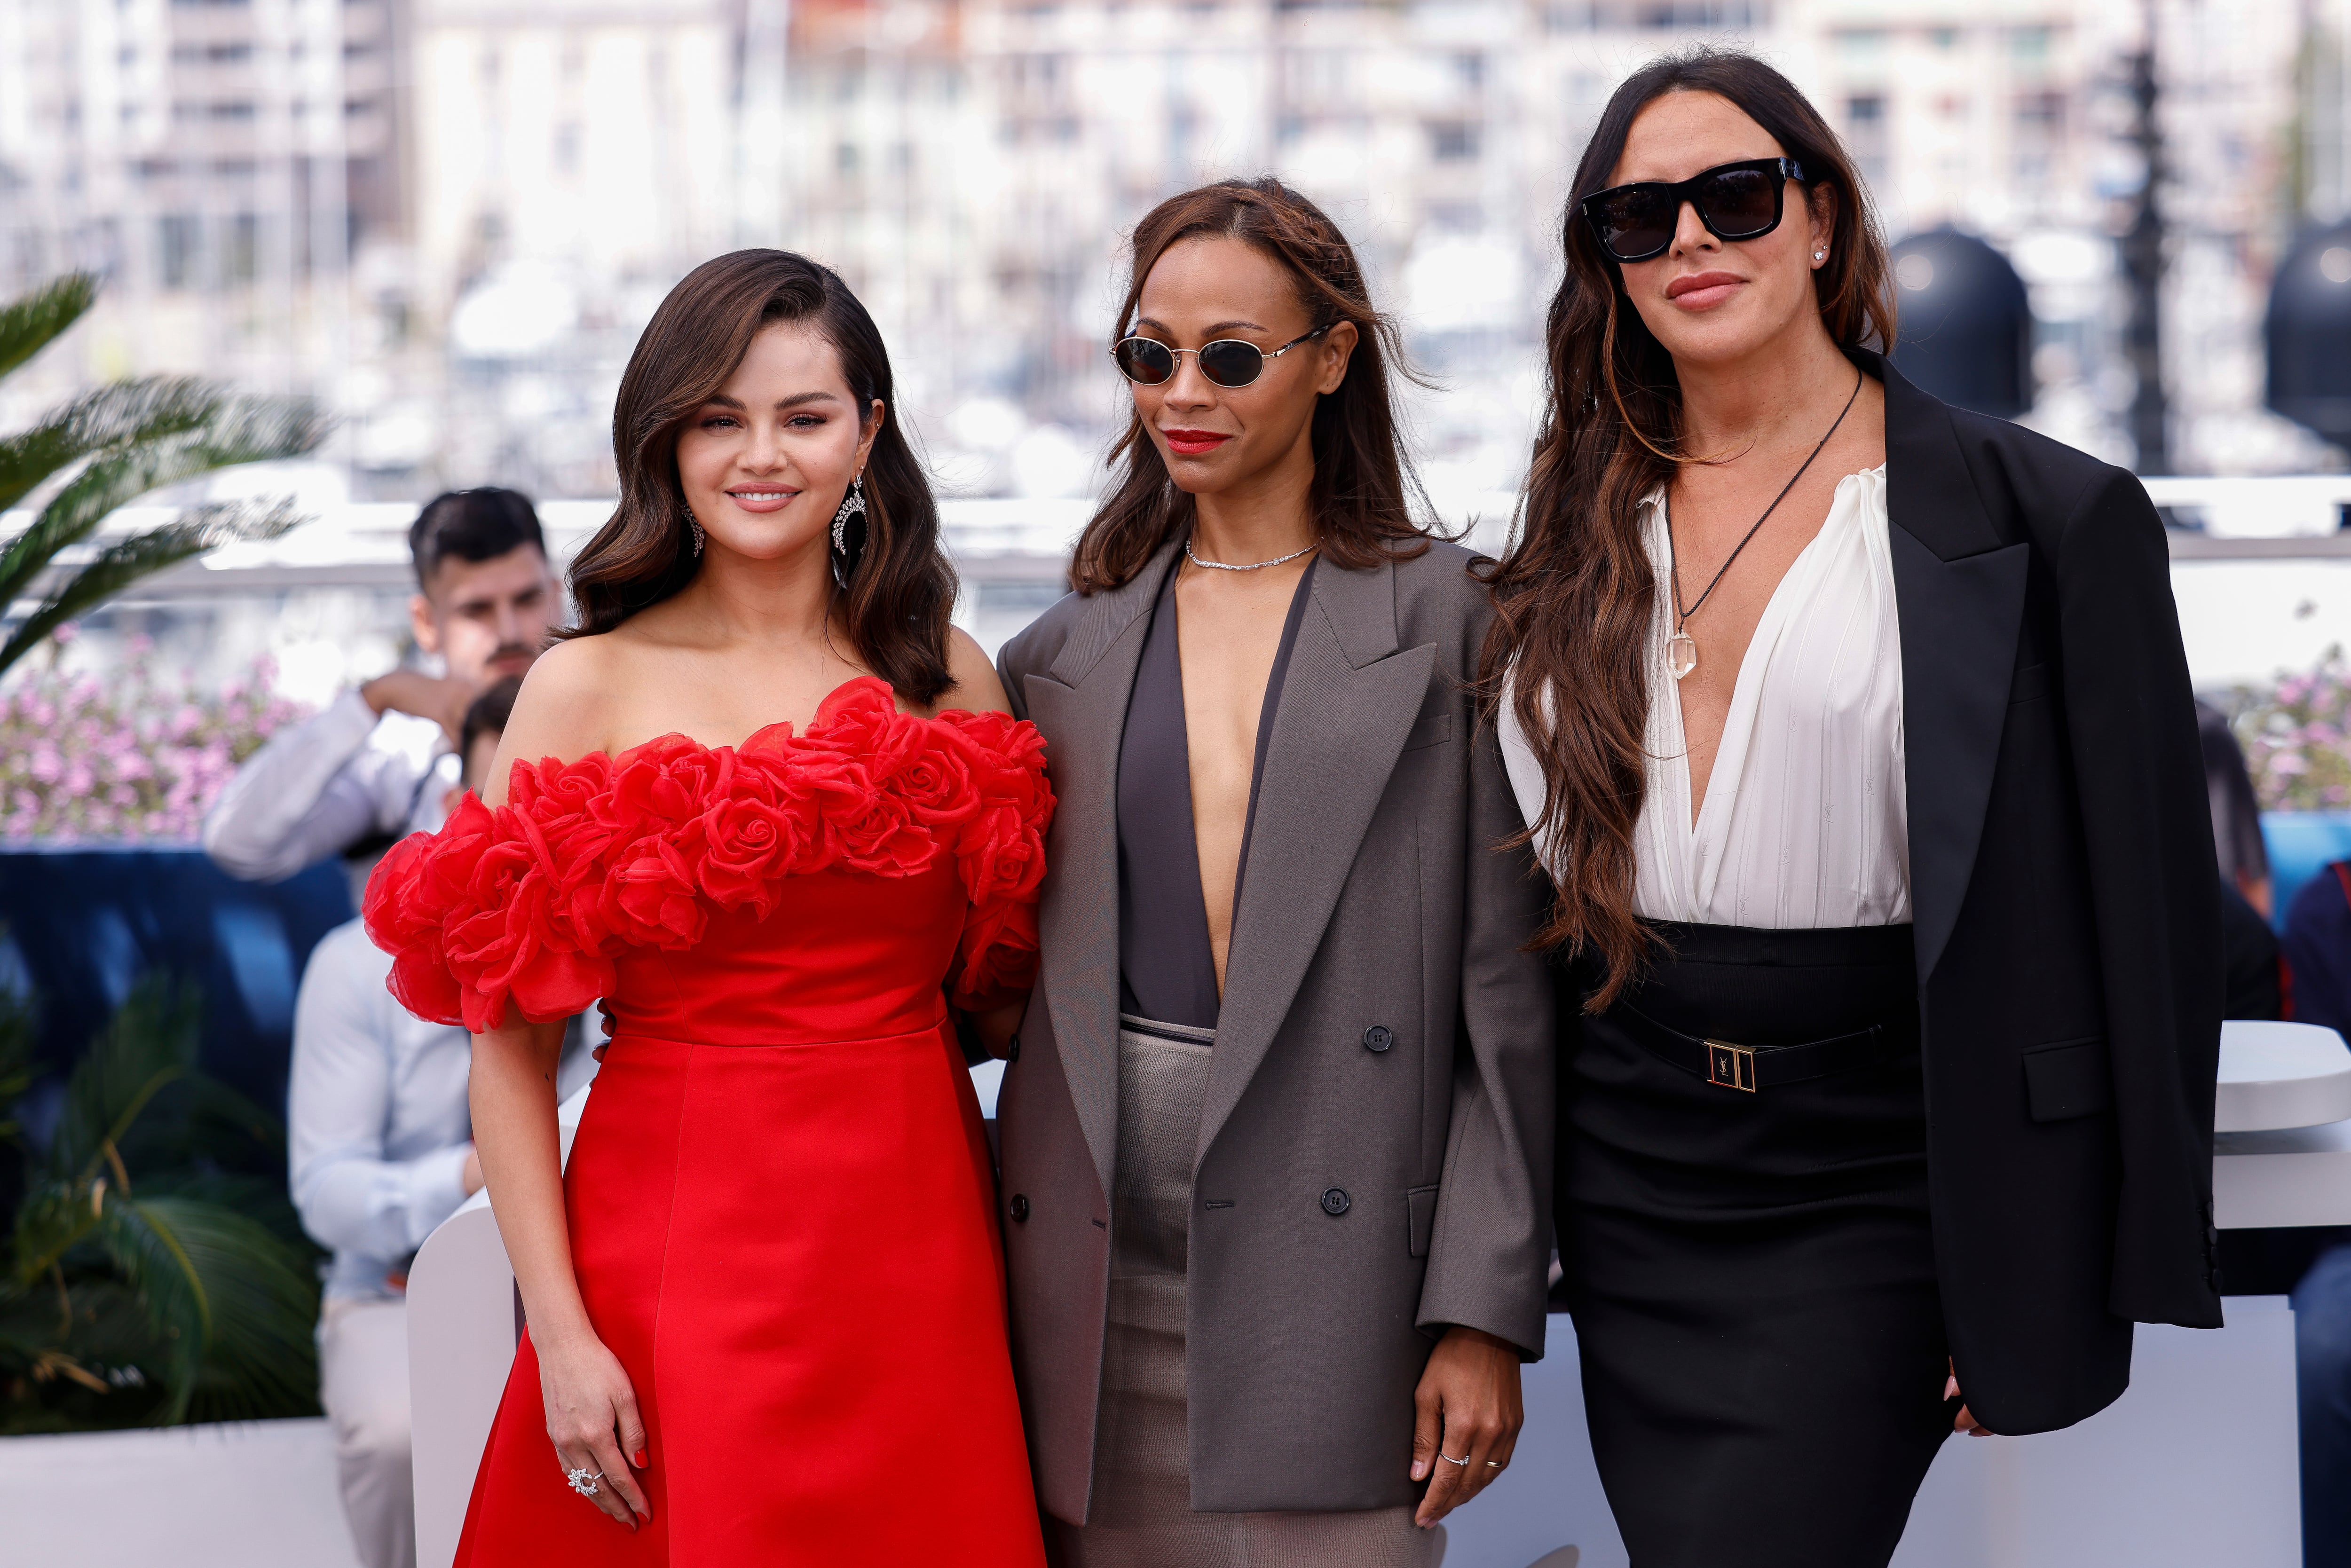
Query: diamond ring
[583,1479]
[1463,1461]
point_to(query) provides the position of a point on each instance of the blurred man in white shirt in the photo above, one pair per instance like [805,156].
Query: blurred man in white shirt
[378,761]
[381,1153]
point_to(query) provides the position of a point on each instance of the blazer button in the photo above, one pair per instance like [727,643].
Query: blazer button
[1020,1207]
[1379,1037]
[1336,1201]
[1012,1053]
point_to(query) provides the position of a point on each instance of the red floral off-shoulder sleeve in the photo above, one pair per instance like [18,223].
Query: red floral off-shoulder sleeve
[528,905]
[1001,852]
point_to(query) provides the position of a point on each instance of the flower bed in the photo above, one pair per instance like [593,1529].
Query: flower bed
[136,755]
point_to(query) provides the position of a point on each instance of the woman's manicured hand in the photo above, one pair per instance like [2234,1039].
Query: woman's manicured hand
[1468,1409]
[592,1418]
[1962,1422]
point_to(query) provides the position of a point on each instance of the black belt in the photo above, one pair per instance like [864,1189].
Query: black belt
[1750,1068]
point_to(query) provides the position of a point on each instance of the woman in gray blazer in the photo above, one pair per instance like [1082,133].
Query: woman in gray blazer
[1276,1133]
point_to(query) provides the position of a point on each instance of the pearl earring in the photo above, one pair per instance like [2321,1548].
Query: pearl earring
[1820,256]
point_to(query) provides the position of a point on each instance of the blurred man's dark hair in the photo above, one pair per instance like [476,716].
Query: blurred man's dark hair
[471,525]
[488,716]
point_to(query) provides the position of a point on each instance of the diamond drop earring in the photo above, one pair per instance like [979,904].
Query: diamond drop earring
[845,557]
[693,524]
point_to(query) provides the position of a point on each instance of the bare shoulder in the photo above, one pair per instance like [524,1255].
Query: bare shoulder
[976,688]
[562,711]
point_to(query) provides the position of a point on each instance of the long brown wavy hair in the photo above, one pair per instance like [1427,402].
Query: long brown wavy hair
[1575,594]
[901,589]
[1364,490]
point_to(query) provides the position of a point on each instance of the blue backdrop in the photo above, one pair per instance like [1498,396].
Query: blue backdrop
[83,925]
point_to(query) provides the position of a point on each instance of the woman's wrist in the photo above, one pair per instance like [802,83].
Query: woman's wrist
[566,1331]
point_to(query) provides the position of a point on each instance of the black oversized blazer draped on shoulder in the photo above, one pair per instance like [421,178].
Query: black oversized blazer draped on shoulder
[2066,902]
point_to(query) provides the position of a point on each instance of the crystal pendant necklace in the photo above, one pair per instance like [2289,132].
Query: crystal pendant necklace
[1681,648]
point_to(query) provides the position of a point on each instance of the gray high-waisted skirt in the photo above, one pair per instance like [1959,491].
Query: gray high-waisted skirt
[1141,1508]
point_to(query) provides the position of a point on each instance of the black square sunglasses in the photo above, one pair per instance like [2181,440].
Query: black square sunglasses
[1734,201]
[1227,362]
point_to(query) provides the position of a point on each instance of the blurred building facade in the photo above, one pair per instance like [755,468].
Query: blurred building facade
[223,163]
[452,217]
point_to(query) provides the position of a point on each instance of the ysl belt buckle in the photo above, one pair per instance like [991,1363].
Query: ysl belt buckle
[1730,1066]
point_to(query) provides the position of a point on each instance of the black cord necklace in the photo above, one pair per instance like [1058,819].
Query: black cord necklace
[1681,648]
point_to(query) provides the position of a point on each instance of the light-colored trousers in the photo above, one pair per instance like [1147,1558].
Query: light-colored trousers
[1142,1510]
[363,1384]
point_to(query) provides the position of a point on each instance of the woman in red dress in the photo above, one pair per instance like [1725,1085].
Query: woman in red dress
[779,821]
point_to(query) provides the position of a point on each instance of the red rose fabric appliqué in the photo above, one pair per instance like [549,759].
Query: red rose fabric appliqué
[529,904]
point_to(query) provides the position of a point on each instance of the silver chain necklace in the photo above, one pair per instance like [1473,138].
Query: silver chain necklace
[1250,566]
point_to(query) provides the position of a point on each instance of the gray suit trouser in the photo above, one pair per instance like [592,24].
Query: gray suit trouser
[1142,1507]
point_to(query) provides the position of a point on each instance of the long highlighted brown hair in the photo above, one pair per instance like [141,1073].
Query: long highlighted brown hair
[1363,490]
[903,588]
[1575,594]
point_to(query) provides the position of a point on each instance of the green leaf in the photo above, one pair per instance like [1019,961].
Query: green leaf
[236,1301]
[30,322]
[119,565]
[150,1043]
[235,431]
[123,415]
[153,1246]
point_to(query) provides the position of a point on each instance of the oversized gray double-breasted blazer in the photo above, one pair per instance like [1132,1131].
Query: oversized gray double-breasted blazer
[1375,1154]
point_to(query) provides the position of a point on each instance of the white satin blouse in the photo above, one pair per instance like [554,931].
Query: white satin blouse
[1805,819]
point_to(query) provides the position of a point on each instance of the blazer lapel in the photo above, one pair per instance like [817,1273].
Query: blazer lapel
[1347,704]
[1080,706]
[1959,588]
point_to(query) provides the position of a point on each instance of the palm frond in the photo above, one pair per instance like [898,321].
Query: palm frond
[155,1245]
[196,531]
[150,1043]
[52,1220]
[123,415]
[262,1357]
[234,1303]
[235,431]
[30,322]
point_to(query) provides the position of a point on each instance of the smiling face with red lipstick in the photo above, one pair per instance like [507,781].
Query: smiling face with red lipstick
[766,460]
[1226,441]
[1708,302]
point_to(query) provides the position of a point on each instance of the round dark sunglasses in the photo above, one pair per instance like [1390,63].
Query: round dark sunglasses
[1734,201]
[1227,362]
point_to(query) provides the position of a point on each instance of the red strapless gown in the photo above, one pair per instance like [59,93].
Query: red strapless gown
[781,1209]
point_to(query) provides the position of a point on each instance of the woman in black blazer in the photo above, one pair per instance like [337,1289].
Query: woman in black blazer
[1856,733]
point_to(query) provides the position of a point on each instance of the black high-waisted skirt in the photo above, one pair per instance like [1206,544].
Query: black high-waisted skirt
[1752,1275]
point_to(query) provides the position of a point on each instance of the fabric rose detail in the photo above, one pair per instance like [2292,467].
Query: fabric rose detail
[882,838]
[667,782]
[748,843]
[404,918]
[996,956]
[937,783]
[649,896]
[861,720]
[506,951]
[1003,857]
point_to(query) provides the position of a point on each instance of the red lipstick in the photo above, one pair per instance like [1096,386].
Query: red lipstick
[1193,442]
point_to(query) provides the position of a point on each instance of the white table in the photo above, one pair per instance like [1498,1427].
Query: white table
[2194,1467]
[2282,1148]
